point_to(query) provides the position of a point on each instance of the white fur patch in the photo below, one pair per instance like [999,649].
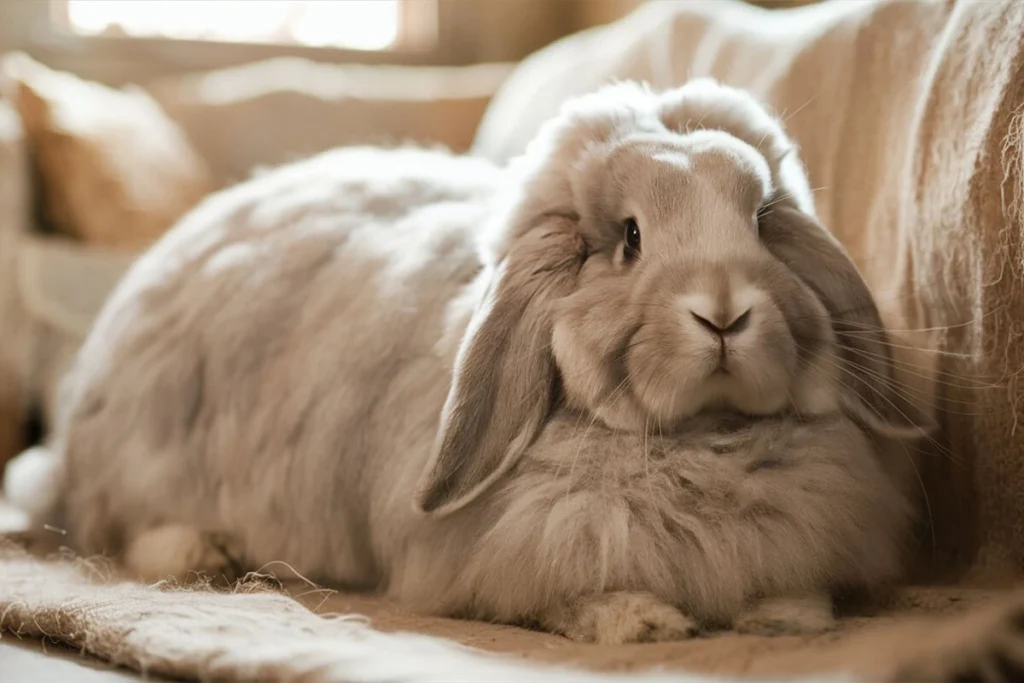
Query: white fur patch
[30,481]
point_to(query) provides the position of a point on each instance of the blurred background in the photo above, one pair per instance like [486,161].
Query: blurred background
[117,116]
[119,41]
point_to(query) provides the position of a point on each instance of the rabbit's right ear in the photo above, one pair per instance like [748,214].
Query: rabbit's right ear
[504,377]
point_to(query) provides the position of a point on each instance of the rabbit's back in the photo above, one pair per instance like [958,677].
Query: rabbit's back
[248,366]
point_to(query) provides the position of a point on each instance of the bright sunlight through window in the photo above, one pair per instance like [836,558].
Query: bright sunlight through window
[352,24]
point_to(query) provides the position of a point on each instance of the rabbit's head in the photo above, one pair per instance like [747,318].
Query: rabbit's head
[659,257]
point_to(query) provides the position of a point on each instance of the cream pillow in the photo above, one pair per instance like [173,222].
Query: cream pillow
[115,170]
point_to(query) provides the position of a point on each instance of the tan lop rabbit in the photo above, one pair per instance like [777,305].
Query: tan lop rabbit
[625,389]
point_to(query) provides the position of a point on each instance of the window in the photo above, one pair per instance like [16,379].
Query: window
[139,41]
[347,24]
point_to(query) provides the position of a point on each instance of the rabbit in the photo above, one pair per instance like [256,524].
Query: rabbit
[626,388]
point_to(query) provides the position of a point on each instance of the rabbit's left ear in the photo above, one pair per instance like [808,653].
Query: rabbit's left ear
[504,378]
[871,392]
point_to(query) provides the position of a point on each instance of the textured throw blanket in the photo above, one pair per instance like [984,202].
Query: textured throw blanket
[910,117]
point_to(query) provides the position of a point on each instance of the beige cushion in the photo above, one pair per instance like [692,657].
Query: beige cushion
[115,169]
[574,65]
[275,111]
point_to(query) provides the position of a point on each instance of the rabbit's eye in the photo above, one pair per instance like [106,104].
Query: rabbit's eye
[631,238]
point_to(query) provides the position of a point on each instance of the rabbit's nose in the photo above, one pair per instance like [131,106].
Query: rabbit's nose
[720,323]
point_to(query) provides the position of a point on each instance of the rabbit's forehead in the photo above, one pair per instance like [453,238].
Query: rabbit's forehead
[693,170]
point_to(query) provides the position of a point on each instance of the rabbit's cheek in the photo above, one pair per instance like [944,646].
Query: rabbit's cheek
[763,363]
[815,390]
[758,386]
[803,323]
[667,372]
[593,375]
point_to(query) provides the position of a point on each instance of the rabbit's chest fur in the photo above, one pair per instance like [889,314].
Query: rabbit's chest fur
[276,366]
[710,520]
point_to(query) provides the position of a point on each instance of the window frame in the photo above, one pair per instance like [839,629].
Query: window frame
[117,60]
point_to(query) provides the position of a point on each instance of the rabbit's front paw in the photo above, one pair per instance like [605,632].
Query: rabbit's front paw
[790,616]
[184,553]
[615,618]
[991,652]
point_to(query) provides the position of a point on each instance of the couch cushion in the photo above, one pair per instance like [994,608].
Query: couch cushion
[310,106]
[115,169]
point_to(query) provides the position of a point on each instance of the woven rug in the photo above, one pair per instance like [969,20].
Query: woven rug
[304,633]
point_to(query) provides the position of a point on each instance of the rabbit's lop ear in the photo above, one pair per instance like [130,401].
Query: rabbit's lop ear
[503,382]
[871,393]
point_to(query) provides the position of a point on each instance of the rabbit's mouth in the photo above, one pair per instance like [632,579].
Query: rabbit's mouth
[686,357]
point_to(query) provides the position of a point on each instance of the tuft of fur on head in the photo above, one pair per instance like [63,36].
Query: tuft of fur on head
[625,109]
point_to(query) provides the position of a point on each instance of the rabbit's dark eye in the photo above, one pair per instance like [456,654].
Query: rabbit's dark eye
[631,238]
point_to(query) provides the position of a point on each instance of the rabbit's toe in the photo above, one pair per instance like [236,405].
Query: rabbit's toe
[184,553]
[992,655]
[805,615]
[617,618]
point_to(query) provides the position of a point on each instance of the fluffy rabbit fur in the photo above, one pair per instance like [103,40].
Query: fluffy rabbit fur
[609,390]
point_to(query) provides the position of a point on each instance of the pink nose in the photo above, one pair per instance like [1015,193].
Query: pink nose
[722,326]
